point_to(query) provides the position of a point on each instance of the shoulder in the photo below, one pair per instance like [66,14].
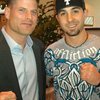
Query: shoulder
[38,43]
[95,37]
[56,44]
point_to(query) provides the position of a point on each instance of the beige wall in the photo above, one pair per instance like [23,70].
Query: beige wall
[93,7]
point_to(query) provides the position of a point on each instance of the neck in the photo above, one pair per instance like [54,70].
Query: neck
[77,41]
[20,39]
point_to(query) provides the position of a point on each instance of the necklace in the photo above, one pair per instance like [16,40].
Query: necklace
[80,44]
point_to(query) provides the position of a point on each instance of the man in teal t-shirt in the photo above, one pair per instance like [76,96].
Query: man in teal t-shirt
[73,62]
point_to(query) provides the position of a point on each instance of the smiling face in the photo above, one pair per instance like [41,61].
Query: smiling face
[71,20]
[21,17]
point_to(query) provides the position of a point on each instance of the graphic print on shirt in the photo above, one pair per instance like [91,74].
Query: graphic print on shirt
[66,73]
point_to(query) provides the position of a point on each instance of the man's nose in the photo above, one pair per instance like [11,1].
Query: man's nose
[28,15]
[69,17]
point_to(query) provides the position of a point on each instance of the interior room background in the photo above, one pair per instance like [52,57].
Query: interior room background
[48,29]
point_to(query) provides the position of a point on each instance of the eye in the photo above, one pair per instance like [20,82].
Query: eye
[34,12]
[62,13]
[22,10]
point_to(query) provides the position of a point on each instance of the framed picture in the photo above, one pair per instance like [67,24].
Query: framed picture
[89,21]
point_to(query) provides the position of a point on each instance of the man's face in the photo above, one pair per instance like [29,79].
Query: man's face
[22,17]
[71,20]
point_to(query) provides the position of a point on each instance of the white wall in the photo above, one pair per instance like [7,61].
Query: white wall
[93,7]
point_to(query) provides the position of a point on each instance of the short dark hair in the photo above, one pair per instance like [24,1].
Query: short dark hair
[9,2]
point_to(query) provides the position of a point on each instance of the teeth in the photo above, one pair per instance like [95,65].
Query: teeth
[72,26]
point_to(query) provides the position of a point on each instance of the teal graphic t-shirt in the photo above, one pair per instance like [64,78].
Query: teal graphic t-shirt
[63,65]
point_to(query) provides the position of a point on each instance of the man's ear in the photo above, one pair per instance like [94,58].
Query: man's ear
[7,12]
[57,18]
[86,13]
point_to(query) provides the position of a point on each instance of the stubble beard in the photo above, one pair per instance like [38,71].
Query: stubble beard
[73,33]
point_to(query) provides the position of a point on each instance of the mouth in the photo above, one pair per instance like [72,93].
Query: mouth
[72,27]
[27,24]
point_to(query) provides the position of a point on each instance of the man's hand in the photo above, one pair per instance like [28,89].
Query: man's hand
[89,73]
[9,95]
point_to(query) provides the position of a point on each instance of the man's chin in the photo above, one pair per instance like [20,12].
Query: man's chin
[73,33]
